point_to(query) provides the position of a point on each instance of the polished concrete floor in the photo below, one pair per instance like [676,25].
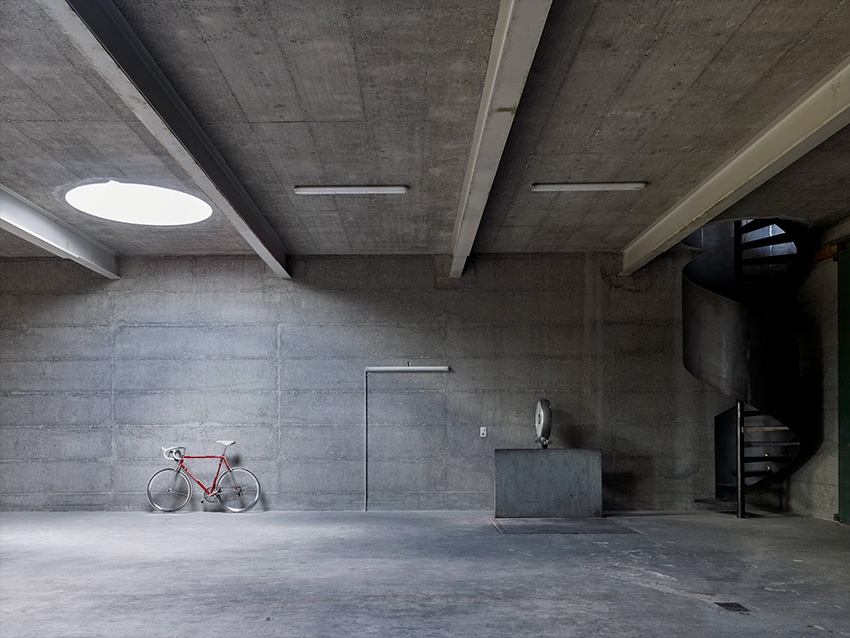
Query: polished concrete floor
[418,574]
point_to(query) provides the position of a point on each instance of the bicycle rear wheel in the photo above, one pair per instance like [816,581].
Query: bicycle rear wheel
[238,490]
[169,490]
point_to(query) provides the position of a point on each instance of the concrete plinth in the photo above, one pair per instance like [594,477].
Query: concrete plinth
[548,483]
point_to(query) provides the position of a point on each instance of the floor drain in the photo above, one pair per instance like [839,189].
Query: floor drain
[732,606]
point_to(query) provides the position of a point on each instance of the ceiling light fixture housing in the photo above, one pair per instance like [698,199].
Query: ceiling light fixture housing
[591,187]
[350,190]
[138,204]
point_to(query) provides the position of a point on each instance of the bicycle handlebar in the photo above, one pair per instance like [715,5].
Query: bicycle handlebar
[174,453]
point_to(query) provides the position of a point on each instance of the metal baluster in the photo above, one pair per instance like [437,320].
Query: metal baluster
[739,435]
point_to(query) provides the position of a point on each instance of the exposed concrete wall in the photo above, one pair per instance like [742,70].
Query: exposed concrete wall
[813,489]
[97,375]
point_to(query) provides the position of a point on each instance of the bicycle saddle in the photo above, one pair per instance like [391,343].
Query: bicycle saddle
[227,443]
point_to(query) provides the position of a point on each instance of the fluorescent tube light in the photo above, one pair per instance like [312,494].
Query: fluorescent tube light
[600,186]
[350,190]
[407,369]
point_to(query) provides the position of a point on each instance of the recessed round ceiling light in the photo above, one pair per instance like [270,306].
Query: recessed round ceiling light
[138,204]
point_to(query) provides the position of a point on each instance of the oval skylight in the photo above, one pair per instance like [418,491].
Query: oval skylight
[138,204]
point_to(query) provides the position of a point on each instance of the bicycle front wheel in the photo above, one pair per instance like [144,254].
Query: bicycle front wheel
[238,490]
[169,490]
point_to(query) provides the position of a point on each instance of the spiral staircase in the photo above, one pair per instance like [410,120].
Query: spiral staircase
[737,340]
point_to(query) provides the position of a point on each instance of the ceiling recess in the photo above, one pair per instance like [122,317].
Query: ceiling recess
[138,204]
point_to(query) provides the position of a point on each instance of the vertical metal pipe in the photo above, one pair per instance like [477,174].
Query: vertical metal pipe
[738,270]
[366,440]
[738,263]
[739,435]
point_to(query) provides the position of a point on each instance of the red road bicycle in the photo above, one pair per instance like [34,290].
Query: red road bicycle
[169,490]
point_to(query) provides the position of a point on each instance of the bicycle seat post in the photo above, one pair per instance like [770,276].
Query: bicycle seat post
[226,445]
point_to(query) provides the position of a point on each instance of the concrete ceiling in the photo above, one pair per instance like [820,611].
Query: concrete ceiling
[814,189]
[12,246]
[346,92]
[61,126]
[661,92]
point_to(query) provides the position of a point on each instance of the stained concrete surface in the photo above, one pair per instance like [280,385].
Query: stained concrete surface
[122,574]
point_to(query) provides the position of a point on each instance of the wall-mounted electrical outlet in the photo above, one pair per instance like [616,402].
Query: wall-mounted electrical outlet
[482,432]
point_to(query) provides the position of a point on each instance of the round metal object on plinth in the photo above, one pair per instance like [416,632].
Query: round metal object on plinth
[543,422]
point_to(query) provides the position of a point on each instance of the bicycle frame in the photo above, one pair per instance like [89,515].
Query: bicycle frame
[221,459]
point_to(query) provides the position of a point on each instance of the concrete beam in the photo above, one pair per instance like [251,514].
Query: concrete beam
[518,29]
[24,219]
[820,113]
[98,29]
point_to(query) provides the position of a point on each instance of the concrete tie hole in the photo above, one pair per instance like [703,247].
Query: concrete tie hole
[732,607]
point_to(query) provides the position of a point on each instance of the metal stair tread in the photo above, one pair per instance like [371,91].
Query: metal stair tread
[770,443]
[776,277]
[757,224]
[771,240]
[784,258]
